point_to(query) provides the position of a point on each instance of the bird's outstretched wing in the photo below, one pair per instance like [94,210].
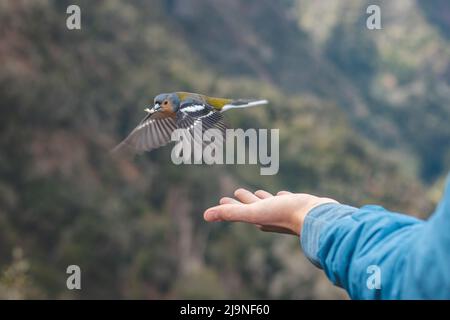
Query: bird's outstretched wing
[152,132]
[194,116]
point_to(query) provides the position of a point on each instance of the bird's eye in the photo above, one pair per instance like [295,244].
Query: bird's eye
[165,102]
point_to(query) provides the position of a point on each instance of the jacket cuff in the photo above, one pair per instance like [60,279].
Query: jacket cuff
[315,223]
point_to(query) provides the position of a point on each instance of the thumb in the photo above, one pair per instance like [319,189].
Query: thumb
[282,193]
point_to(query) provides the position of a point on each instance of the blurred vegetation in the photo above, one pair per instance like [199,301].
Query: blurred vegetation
[363,118]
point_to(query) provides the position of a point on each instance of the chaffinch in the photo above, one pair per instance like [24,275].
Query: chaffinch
[180,110]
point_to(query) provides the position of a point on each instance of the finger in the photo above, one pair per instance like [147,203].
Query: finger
[245,196]
[231,212]
[227,200]
[262,194]
[281,193]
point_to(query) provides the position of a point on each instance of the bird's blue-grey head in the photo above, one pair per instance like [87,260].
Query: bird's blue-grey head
[165,102]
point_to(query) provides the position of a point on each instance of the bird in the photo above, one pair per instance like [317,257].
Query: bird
[179,110]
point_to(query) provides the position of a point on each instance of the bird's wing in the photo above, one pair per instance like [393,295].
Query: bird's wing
[194,115]
[153,131]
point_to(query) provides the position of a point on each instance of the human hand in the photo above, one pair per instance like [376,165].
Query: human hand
[283,213]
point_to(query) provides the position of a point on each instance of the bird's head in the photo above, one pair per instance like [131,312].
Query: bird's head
[165,102]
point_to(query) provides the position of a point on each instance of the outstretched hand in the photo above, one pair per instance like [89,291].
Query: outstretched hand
[283,213]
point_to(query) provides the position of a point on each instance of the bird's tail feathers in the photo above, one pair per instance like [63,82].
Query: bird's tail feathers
[235,104]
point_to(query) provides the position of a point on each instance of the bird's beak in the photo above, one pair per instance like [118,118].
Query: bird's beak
[154,109]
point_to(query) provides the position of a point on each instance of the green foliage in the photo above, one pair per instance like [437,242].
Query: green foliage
[135,226]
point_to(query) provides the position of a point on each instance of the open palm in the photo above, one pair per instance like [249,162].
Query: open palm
[283,213]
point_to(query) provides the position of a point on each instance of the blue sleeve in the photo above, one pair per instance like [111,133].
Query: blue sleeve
[358,247]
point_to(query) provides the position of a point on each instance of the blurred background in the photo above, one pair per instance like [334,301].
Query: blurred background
[363,116]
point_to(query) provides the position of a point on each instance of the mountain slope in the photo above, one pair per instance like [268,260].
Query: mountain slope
[135,225]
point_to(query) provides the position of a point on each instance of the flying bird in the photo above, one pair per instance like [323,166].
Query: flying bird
[180,110]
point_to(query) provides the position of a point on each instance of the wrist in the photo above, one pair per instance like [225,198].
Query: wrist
[303,210]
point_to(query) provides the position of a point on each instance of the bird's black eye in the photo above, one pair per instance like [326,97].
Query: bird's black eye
[165,102]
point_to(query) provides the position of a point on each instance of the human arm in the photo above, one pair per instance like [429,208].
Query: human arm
[346,242]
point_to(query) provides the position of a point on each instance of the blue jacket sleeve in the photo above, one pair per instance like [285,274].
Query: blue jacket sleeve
[355,247]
